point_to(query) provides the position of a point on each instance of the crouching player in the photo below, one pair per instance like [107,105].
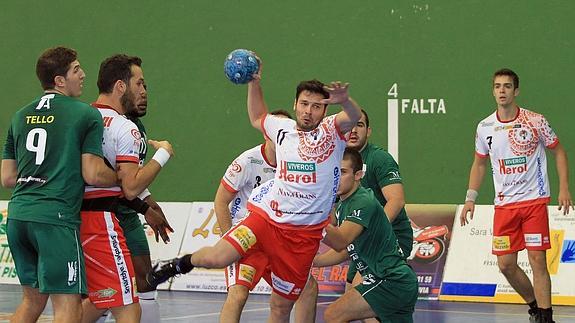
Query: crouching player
[389,288]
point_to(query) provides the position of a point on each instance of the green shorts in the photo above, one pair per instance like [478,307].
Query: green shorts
[48,257]
[392,300]
[404,233]
[135,234]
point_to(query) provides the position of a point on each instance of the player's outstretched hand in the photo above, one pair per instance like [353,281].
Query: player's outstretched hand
[565,202]
[338,93]
[157,221]
[162,144]
[468,208]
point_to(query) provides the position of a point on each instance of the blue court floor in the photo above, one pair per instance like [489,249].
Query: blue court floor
[179,307]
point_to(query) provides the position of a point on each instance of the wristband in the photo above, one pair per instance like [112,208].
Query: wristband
[144,194]
[161,156]
[471,195]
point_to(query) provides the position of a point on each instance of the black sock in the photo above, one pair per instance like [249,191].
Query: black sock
[185,264]
[533,305]
[546,314]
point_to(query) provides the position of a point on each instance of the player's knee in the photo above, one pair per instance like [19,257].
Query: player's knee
[310,291]
[238,294]
[280,307]
[537,258]
[331,314]
[538,263]
[507,268]
[35,300]
[128,313]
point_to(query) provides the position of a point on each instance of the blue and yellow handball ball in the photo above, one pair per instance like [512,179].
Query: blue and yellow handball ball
[240,65]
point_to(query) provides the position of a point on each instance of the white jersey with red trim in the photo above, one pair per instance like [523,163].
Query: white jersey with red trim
[248,171]
[517,152]
[304,188]
[121,143]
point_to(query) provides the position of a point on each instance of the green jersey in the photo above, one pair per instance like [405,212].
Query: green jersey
[382,170]
[124,211]
[143,142]
[47,139]
[375,252]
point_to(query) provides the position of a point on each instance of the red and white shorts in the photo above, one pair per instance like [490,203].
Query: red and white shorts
[289,252]
[109,269]
[520,228]
[248,270]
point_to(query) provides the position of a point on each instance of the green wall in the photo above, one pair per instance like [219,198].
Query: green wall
[432,49]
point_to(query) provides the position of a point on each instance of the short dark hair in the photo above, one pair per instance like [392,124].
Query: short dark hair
[54,62]
[115,68]
[355,157]
[281,112]
[313,86]
[507,72]
[366,117]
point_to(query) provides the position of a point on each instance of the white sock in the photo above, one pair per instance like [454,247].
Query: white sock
[150,307]
[104,316]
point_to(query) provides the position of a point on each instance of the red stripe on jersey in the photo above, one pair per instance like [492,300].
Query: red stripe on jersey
[520,204]
[515,118]
[103,106]
[263,151]
[312,230]
[101,193]
[228,187]
[263,128]
[480,155]
[129,159]
[554,144]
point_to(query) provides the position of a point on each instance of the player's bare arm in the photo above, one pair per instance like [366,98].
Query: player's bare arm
[156,218]
[96,172]
[136,179]
[564,200]
[221,203]
[395,198]
[9,173]
[257,108]
[338,238]
[156,207]
[330,258]
[338,94]
[475,178]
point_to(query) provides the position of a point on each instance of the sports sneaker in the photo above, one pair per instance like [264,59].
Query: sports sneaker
[534,316]
[164,270]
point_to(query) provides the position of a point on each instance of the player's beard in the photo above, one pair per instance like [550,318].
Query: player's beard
[303,127]
[128,101]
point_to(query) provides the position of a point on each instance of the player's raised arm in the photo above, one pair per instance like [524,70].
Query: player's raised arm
[257,108]
[338,94]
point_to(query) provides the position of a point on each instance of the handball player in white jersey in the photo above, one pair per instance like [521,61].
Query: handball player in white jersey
[514,139]
[288,213]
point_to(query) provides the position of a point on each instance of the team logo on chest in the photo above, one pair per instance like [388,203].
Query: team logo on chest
[294,172]
[316,145]
[523,139]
